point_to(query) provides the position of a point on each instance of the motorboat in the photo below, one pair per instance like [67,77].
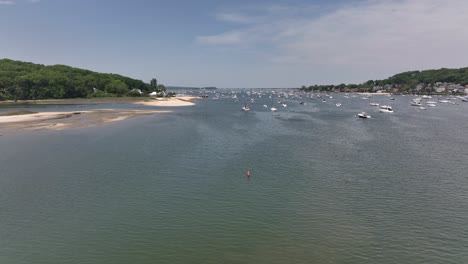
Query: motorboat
[416,102]
[363,115]
[386,109]
[245,108]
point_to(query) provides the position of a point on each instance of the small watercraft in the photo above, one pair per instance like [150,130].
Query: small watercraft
[386,109]
[363,115]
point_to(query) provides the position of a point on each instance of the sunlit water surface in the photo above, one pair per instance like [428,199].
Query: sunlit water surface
[325,186]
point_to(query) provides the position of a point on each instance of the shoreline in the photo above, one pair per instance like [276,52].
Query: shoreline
[103,100]
[88,118]
[65,120]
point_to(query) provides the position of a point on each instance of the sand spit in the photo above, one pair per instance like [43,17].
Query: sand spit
[64,120]
[171,101]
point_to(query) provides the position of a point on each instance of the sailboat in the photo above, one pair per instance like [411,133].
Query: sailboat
[373,103]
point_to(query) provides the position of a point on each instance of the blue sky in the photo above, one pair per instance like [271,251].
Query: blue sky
[239,43]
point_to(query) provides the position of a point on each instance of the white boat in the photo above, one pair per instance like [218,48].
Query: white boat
[338,104]
[422,108]
[416,102]
[273,109]
[465,99]
[386,109]
[363,115]
[265,106]
[284,105]
[245,108]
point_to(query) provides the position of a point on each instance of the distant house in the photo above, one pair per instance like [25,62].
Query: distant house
[419,86]
[440,89]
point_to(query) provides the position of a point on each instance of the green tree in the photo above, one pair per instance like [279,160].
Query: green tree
[116,87]
[154,84]
[160,88]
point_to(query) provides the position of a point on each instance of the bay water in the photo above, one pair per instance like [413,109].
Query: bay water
[325,186]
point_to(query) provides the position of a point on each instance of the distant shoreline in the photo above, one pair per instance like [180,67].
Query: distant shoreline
[103,100]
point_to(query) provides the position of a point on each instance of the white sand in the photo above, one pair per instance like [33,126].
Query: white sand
[63,120]
[34,117]
[171,102]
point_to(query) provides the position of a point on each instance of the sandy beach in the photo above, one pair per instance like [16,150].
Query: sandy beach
[151,101]
[64,120]
[171,101]
[13,121]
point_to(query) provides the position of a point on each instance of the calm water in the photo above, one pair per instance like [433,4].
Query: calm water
[325,186]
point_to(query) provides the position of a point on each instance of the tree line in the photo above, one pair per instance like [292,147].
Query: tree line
[29,81]
[406,82]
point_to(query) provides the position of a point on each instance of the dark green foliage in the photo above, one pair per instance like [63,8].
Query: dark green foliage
[160,88]
[117,87]
[153,84]
[24,80]
[405,82]
[134,94]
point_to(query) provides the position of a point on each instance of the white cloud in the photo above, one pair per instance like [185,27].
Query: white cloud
[235,18]
[6,2]
[224,38]
[13,2]
[377,36]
